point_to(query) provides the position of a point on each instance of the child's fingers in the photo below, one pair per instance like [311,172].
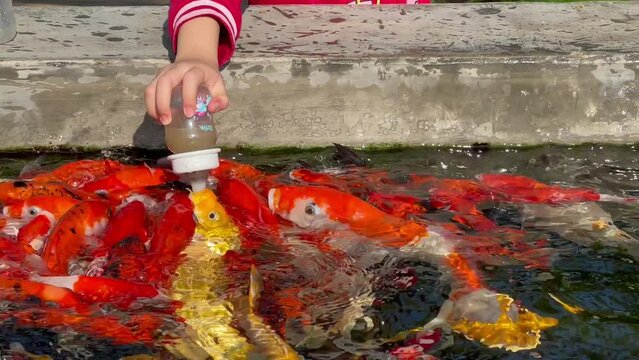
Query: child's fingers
[190,84]
[150,93]
[149,99]
[166,83]
[220,100]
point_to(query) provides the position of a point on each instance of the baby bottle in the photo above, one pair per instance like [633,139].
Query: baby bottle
[185,134]
[192,139]
[7,21]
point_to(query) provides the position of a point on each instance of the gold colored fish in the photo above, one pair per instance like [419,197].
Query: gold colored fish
[515,328]
[200,282]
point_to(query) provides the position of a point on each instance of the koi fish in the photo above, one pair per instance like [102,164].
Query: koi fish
[583,223]
[18,290]
[359,183]
[169,234]
[401,206]
[268,343]
[78,173]
[91,289]
[325,208]
[22,190]
[322,208]
[524,189]
[78,230]
[124,237]
[229,169]
[201,281]
[35,205]
[34,233]
[250,213]
[130,178]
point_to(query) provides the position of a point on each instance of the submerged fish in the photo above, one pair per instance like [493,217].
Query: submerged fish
[585,224]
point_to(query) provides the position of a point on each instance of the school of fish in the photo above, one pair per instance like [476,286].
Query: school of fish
[127,254]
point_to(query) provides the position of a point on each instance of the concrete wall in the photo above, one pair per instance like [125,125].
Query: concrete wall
[306,76]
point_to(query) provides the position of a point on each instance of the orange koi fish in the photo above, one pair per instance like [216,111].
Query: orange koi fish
[21,190]
[130,178]
[128,221]
[523,189]
[247,207]
[176,229]
[123,238]
[231,169]
[12,255]
[169,235]
[78,230]
[78,173]
[316,178]
[397,205]
[148,195]
[102,289]
[359,183]
[324,208]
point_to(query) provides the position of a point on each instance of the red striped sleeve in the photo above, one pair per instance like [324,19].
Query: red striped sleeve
[228,14]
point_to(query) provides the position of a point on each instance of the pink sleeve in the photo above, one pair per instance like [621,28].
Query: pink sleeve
[228,14]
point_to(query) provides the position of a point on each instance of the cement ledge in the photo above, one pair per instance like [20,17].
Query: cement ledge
[359,75]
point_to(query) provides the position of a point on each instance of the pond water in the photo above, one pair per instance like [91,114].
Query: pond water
[602,280]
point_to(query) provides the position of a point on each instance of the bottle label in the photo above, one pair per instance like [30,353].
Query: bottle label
[207,128]
[201,105]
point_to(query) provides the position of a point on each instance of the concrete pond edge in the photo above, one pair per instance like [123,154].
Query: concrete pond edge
[501,78]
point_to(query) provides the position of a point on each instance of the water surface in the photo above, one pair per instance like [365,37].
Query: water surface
[603,280]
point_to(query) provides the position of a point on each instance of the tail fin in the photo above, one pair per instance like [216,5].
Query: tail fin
[346,156]
[267,342]
[255,288]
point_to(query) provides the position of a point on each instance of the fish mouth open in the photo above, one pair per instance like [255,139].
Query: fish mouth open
[273,199]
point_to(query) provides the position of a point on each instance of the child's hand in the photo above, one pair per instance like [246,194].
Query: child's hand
[191,74]
[196,64]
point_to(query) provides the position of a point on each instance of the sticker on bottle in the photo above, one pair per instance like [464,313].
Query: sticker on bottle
[202,105]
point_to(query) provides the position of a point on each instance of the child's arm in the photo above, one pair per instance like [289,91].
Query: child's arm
[203,33]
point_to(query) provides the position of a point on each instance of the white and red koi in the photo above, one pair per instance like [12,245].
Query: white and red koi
[77,232]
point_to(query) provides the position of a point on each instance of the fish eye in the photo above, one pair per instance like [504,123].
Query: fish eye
[213,216]
[33,211]
[311,209]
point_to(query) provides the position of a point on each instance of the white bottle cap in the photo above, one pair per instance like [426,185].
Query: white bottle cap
[193,161]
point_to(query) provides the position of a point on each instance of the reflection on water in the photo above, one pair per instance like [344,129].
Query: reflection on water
[357,293]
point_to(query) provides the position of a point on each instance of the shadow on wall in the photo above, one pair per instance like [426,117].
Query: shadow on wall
[150,134]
